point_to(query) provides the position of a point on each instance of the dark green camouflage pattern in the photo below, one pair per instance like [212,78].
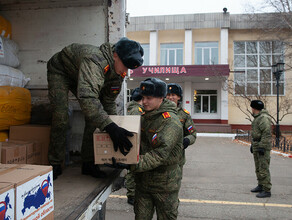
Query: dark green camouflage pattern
[261,131]
[81,70]
[134,108]
[158,174]
[189,133]
[166,205]
[261,138]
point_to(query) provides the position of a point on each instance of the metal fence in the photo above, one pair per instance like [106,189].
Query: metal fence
[285,143]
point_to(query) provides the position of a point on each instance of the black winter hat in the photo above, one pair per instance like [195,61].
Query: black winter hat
[257,104]
[136,96]
[130,52]
[153,87]
[175,89]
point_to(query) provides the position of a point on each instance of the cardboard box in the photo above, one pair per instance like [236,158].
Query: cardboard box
[103,145]
[7,201]
[34,133]
[13,153]
[34,196]
[33,151]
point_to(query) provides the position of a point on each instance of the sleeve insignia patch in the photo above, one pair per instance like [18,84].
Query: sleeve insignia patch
[166,115]
[140,109]
[191,129]
[186,111]
[154,137]
[115,89]
[106,69]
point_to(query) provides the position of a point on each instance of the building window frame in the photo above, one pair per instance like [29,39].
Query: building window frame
[208,101]
[252,67]
[171,53]
[146,57]
[206,53]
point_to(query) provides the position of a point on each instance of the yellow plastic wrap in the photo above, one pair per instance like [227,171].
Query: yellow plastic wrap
[15,106]
[3,136]
[5,27]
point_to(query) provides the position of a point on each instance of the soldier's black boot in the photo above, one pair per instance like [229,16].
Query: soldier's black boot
[263,194]
[259,188]
[57,171]
[131,200]
[89,168]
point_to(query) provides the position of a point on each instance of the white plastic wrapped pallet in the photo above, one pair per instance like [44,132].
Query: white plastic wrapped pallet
[8,52]
[12,77]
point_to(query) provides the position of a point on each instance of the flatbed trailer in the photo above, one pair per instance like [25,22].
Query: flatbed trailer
[79,196]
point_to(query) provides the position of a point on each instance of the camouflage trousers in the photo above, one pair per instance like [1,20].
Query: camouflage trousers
[166,205]
[130,184]
[262,163]
[59,87]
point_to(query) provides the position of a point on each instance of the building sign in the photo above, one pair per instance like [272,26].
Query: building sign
[181,70]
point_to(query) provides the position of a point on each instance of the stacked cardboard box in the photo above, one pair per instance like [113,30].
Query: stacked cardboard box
[103,145]
[38,134]
[21,152]
[26,192]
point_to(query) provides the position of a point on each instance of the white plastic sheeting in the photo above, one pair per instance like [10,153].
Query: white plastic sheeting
[12,77]
[8,52]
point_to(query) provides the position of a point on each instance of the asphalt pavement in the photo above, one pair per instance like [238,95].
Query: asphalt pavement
[216,184]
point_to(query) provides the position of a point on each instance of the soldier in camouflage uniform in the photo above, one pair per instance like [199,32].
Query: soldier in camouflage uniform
[174,93]
[134,108]
[158,174]
[261,147]
[94,75]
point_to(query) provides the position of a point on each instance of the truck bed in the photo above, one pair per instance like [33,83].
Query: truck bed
[80,196]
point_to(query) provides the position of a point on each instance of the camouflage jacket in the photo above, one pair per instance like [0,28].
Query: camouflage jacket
[261,131]
[188,124]
[134,108]
[160,150]
[91,72]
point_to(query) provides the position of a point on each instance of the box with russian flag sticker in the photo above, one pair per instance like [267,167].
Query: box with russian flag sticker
[33,186]
[7,201]
[103,145]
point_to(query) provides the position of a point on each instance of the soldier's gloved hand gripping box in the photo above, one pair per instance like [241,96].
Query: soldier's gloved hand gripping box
[103,145]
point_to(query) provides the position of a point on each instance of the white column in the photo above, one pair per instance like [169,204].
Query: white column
[224,46]
[153,47]
[188,47]
[188,96]
[224,60]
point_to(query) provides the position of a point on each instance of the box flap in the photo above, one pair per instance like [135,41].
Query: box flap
[129,122]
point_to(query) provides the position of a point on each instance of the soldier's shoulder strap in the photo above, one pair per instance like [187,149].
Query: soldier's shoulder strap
[166,115]
[186,111]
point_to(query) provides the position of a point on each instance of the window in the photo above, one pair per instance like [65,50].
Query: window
[206,53]
[146,56]
[252,67]
[205,101]
[171,54]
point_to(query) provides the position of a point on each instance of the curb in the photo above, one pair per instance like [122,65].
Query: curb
[216,135]
[272,151]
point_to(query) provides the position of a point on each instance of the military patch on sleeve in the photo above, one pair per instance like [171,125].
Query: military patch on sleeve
[106,69]
[123,74]
[154,138]
[191,129]
[186,111]
[140,109]
[166,115]
[115,89]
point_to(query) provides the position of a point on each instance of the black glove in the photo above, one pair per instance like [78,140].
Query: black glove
[186,143]
[118,165]
[251,150]
[261,151]
[119,138]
